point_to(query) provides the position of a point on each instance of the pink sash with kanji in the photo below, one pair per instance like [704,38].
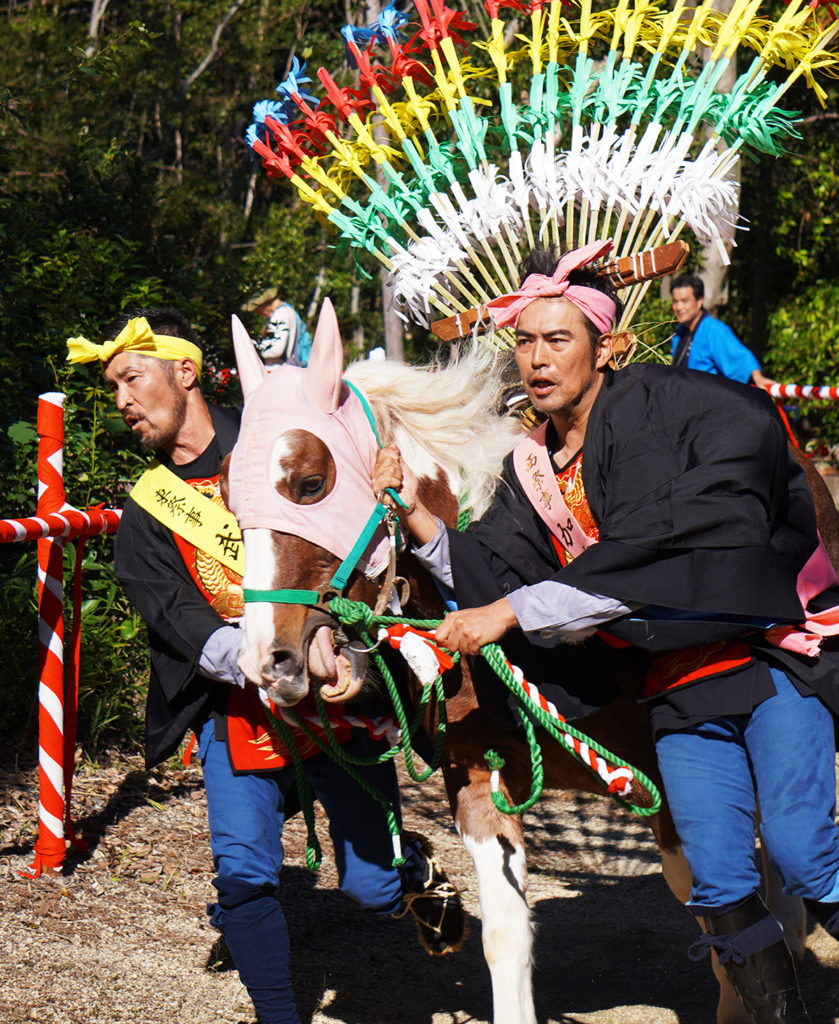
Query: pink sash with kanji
[538,480]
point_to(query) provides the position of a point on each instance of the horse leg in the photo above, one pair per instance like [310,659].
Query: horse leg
[495,843]
[676,870]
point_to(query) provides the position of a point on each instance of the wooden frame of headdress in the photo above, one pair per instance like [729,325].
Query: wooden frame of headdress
[620,273]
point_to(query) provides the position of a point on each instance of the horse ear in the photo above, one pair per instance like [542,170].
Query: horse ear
[324,375]
[252,372]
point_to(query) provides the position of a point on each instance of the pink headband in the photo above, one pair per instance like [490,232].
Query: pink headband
[595,305]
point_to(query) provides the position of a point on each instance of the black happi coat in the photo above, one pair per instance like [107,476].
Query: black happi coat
[704,519]
[180,621]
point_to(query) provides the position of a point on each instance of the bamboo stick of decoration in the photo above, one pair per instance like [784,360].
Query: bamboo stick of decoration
[638,147]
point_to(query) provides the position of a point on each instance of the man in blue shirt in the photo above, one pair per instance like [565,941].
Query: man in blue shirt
[702,342]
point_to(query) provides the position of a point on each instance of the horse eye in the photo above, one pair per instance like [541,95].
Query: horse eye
[311,487]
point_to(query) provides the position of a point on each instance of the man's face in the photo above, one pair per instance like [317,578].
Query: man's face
[555,359]
[686,306]
[147,395]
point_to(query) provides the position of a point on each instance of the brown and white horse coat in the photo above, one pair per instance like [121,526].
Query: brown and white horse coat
[444,423]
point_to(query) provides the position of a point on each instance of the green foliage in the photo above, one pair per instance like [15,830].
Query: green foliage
[653,325]
[125,181]
[803,342]
[114,656]
[19,630]
[113,661]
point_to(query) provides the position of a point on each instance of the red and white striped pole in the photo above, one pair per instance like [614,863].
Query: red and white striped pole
[49,848]
[54,524]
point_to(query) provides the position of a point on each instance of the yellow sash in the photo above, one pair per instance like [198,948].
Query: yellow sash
[192,515]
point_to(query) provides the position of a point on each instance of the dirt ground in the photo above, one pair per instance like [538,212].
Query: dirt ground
[120,937]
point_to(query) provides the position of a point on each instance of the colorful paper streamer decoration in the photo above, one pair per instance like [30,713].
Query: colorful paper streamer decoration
[457,150]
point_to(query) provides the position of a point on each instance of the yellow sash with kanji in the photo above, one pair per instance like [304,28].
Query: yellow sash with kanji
[192,515]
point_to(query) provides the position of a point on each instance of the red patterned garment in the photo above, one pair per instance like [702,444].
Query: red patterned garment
[570,481]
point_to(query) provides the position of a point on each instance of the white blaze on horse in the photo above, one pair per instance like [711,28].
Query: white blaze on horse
[299,483]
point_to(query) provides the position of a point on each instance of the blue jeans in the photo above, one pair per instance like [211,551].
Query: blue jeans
[246,815]
[783,752]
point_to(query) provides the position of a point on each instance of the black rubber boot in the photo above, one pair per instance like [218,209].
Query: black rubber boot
[827,914]
[757,961]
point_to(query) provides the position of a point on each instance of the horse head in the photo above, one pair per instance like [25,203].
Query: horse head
[298,481]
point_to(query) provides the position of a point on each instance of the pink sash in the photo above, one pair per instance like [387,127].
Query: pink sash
[817,575]
[538,480]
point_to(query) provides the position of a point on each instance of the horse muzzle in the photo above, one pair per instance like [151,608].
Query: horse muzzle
[339,667]
[320,655]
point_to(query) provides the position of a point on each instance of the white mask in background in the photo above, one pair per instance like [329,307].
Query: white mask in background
[279,336]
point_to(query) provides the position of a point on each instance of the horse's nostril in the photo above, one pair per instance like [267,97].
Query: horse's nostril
[283,661]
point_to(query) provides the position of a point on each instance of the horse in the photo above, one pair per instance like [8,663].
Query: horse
[298,480]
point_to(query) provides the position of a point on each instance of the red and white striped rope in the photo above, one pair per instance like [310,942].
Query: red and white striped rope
[67,524]
[618,780]
[376,727]
[802,391]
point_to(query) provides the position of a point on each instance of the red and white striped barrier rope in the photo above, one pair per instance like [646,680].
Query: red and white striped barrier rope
[54,524]
[67,524]
[802,391]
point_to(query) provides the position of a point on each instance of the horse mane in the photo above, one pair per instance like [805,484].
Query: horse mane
[447,412]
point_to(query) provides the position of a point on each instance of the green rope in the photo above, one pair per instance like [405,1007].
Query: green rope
[314,854]
[347,762]
[464,515]
[495,762]
[498,663]
[361,618]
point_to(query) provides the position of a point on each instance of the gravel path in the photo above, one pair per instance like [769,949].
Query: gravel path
[120,936]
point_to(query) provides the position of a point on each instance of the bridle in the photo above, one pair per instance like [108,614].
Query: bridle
[382,513]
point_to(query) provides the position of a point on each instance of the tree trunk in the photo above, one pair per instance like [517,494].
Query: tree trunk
[714,272]
[355,310]
[97,13]
[391,323]
[394,336]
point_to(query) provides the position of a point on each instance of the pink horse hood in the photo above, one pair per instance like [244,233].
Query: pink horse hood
[290,398]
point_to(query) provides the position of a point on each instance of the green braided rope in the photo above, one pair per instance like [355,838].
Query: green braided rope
[348,763]
[314,854]
[498,663]
[496,660]
[361,617]
[495,762]
[464,516]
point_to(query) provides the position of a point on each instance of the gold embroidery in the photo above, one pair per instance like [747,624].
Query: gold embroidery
[570,482]
[222,584]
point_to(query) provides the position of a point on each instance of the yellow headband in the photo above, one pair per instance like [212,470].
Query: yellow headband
[136,336]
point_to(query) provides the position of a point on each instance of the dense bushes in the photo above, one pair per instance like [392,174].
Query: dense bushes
[803,348]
